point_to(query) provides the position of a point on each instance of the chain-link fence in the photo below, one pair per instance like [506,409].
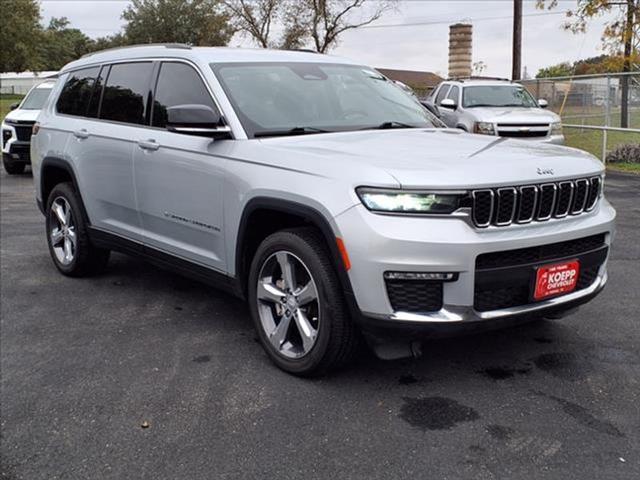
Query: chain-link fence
[594,108]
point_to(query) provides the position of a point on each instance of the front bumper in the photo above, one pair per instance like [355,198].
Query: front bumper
[17,152]
[385,243]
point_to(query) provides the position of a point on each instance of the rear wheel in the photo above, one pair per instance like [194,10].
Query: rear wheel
[67,235]
[297,304]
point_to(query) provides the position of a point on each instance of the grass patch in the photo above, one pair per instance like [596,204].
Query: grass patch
[625,167]
[6,101]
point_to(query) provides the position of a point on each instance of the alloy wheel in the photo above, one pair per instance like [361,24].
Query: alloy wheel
[288,304]
[62,234]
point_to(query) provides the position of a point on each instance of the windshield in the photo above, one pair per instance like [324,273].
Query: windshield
[283,98]
[497,96]
[35,99]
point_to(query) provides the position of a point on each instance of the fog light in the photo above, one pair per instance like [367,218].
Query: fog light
[442,277]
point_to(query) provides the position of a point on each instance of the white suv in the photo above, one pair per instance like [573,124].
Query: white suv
[16,128]
[316,189]
[496,107]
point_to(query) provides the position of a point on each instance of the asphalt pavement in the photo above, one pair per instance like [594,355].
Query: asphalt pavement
[140,373]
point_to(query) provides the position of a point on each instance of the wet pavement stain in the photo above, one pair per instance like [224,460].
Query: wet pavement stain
[543,340]
[436,413]
[500,432]
[202,359]
[584,417]
[561,365]
[502,373]
[407,379]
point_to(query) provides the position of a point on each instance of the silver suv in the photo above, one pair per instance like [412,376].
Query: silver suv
[496,107]
[317,190]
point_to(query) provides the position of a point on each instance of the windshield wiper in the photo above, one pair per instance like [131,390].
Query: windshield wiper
[388,125]
[290,131]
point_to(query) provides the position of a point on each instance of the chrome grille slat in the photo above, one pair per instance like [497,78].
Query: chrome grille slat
[503,206]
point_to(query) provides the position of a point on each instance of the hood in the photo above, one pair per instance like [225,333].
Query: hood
[513,115]
[434,158]
[22,115]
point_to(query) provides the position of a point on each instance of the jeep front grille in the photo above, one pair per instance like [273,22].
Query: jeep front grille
[507,205]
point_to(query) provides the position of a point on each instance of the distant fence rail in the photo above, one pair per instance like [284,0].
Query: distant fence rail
[592,106]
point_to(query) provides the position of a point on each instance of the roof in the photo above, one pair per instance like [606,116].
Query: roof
[204,54]
[412,78]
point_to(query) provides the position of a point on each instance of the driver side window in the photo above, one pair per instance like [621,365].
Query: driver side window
[178,84]
[441,93]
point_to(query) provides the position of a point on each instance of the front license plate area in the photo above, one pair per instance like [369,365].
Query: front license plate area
[556,279]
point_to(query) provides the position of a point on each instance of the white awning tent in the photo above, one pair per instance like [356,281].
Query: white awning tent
[21,83]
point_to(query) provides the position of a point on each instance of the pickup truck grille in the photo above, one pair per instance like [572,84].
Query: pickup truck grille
[23,129]
[523,130]
[523,204]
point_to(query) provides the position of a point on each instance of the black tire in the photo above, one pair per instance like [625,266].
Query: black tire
[13,168]
[337,338]
[87,259]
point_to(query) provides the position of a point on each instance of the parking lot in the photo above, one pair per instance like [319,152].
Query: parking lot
[86,363]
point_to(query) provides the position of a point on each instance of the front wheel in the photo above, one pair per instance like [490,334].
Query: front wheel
[297,304]
[11,167]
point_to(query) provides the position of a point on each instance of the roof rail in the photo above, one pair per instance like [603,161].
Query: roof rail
[305,50]
[184,46]
[462,79]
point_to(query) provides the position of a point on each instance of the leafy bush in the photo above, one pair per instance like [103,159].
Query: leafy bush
[627,153]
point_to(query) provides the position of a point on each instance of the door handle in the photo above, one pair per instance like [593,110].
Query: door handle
[148,144]
[81,134]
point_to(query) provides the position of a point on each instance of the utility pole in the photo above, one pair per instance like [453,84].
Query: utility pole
[516,71]
[624,81]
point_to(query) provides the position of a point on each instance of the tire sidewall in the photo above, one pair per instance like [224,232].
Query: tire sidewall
[297,246]
[66,192]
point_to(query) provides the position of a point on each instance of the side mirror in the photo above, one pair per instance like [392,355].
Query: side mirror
[13,106]
[448,103]
[197,120]
[543,103]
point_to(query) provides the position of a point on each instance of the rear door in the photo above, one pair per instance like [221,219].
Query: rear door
[179,178]
[103,144]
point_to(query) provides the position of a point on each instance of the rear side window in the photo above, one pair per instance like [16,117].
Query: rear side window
[76,92]
[178,84]
[126,92]
[441,93]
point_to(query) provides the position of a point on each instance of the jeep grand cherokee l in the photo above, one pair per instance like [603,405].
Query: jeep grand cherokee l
[317,190]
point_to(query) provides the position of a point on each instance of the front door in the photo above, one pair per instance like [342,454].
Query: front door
[178,178]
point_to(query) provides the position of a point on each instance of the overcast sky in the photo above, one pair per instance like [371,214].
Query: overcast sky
[421,47]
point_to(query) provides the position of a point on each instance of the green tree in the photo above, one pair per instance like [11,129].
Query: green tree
[563,69]
[60,44]
[621,35]
[196,22]
[19,34]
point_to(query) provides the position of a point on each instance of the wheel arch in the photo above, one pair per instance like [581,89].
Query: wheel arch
[296,213]
[55,170]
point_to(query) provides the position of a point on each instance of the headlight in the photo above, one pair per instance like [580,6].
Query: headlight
[398,201]
[556,128]
[485,128]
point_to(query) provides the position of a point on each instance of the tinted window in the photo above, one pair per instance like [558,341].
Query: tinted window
[178,84]
[77,91]
[94,103]
[126,92]
[441,93]
[453,93]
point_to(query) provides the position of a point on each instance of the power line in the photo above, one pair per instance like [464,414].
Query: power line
[447,22]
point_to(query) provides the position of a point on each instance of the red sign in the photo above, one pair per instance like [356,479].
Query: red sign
[556,279]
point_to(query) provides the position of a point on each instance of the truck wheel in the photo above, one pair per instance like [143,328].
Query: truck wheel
[11,167]
[297,304]
[67,235]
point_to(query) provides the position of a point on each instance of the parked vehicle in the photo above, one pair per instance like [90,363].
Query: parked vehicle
[496,107]
[16,128]
[317,190]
